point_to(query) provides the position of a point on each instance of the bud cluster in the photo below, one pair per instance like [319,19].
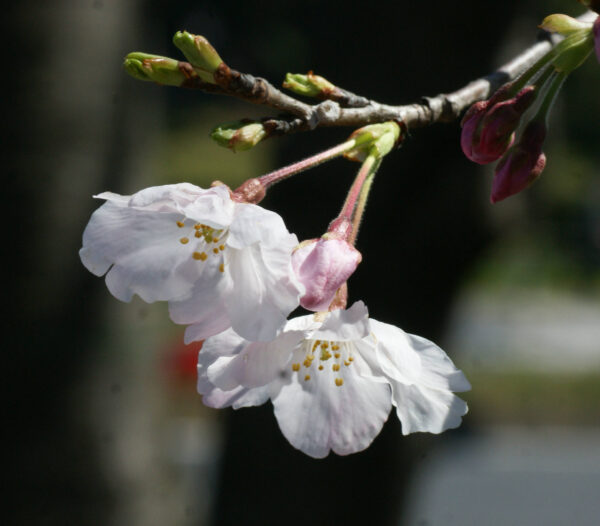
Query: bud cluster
[489,127]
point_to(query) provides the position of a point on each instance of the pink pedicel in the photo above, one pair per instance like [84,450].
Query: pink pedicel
[323,266]
[521,165]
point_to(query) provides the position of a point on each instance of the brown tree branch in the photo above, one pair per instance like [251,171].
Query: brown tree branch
[347,109]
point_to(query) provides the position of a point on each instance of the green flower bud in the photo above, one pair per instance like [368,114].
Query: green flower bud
[310,85]
[162,70]
[239,135]
[377,139]
[199,53]
[563,24]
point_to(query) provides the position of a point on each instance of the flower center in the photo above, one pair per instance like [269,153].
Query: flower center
[205,241]
[319,354]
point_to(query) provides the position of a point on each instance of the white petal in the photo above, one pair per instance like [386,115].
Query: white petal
[237,398]
[423,409]
[413,359]
[307,323]
[396,357]
[438,370]
[139,236]
[218,398]
[253,224]
[264,291]
[317,416]
[257,363]
[205,309]
[345,325]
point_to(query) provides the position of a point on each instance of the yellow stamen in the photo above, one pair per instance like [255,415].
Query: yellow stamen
[198,233]
[325,355]
[320,367]
[184,240]
[221,247]
[215,250]
[307,378]
[337,354]
[180,224]
[295,367]
[221,267]
[199,256]
[339,382]
[336,366]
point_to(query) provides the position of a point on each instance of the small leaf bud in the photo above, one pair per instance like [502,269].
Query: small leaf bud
[378,139]
[239,135]
[199,53]
[562,24]
[162,70]
[310,85]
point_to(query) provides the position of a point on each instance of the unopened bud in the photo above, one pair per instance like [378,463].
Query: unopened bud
[162,70]
[239,135]
[522,164]
[499,124]
[378,139]
[562,24]
[310,85]
[199,53]
[323,266]
[472,124]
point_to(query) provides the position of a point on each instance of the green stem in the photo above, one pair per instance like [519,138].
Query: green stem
[362,201]
[550,96]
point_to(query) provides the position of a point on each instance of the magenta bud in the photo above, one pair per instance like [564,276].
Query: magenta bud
[521,165]
[596,30]
[472,123]
[323,265]
[500,122]
[470,128]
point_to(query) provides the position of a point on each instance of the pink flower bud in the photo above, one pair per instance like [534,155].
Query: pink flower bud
[323,265]
[521,165]
[596,30]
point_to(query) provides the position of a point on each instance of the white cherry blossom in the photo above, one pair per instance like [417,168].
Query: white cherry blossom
[333,379]
[217,262]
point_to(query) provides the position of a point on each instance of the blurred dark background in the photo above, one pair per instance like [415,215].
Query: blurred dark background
[103,423]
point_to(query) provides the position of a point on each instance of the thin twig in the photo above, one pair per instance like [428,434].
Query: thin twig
[348,109]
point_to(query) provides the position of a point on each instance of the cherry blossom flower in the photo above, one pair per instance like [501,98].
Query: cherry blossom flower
[333,379]
[218,263]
